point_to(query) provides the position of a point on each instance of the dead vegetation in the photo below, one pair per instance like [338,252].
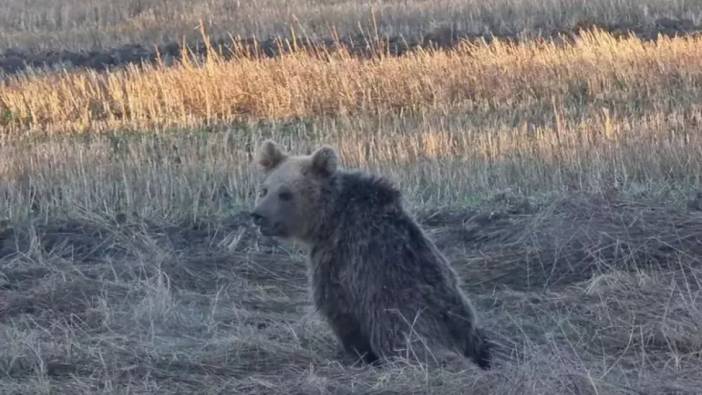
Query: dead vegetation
[604,305]
[81,25]
[572,240]
[127,264]
[363,44]
[595,68]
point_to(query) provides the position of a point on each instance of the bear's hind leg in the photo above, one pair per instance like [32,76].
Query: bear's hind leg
[478,348]
[460,320]
[397,337]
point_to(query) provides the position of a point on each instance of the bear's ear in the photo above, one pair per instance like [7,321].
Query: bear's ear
[269,155]
[325,161]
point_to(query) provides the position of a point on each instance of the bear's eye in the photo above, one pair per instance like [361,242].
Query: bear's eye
[285,195]
[262,192]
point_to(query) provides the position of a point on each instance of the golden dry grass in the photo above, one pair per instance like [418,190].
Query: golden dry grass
[305,84]
[599,115]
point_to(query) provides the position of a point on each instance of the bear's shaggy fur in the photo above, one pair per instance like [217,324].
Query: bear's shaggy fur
[377,279]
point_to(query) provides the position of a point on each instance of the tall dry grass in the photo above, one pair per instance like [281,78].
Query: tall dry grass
[600,115]
[99,24]
[304,84]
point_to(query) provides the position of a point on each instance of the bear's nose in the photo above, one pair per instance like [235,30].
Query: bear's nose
[257,218]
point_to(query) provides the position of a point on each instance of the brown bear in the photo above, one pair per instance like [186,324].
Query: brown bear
[376,278]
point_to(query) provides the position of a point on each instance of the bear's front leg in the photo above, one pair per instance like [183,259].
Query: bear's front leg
[348,331]
[333,303]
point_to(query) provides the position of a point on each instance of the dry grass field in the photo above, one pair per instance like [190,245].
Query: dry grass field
[101,34]
[561,178]
[103,24]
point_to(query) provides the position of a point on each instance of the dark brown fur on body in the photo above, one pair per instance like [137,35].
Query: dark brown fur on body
[380,283]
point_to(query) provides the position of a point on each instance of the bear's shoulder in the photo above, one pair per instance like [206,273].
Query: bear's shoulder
[358,187]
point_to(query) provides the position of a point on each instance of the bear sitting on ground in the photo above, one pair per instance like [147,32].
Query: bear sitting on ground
[380,283]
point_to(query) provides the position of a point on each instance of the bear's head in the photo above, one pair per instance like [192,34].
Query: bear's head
[290,196]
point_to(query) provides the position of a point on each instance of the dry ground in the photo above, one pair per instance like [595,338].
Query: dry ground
[562,181]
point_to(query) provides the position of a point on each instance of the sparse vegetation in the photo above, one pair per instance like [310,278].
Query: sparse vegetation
[555,176]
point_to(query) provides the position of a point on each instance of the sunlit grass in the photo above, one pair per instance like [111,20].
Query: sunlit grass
[596,67]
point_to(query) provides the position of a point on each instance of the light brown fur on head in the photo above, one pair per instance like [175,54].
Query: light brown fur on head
[323,161]
[269,155]
[288,197]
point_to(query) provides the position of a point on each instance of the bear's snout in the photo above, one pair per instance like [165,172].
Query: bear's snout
[265,225]
[257,218]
